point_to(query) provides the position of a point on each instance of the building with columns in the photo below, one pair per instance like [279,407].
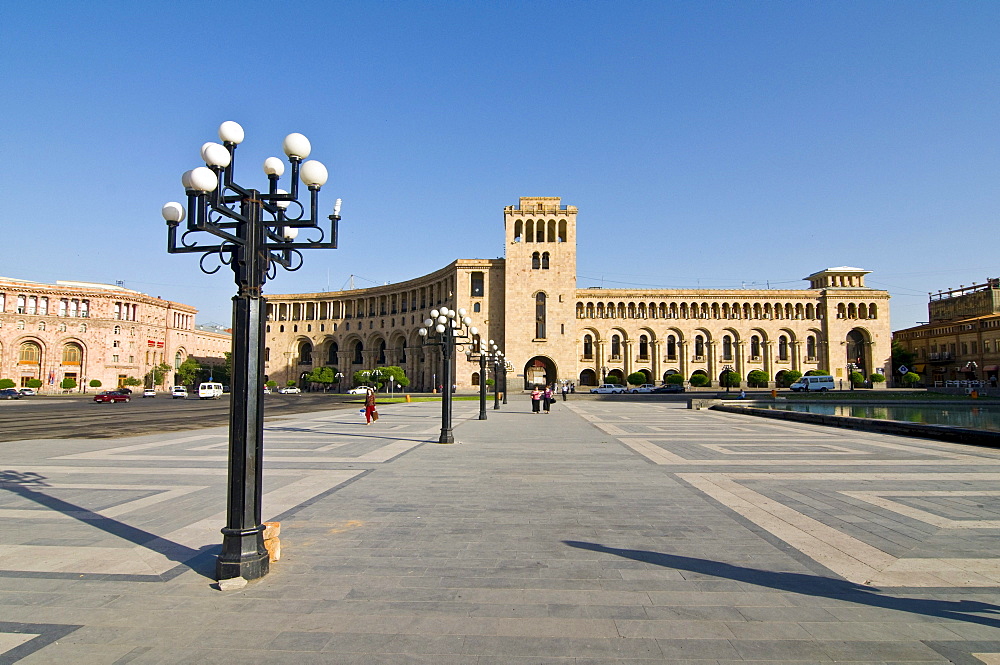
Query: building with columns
[529,303]
[86,331]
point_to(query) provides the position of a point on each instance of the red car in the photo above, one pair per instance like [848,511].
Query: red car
[111,397]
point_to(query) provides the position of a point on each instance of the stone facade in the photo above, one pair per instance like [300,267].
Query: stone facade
[961,341]
[550,330]
[87,331]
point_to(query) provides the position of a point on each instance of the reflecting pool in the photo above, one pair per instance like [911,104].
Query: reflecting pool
[971,417]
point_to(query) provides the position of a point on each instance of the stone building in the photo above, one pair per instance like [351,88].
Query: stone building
[86,331]
[528,302]
[961,341]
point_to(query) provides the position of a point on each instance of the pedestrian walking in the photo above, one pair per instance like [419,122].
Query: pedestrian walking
[547,398]
[370,413]
[536,400]
[565,390]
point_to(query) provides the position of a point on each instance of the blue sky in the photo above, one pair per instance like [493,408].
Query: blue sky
[713,144]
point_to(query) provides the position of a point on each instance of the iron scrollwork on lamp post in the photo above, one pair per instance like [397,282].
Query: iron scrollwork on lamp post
[445,328]
[253,232]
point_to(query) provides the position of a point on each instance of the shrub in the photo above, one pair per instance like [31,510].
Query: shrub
[699,380]
[817,372]
[636,378]
[790,377]
[911,378]
[730,379]
[68,383]
[674,380]
[6,383]
[95,383]
[758,378]
[290,383]
[271,384]
[611,379]
[876,378]
[857,378]
[34,383]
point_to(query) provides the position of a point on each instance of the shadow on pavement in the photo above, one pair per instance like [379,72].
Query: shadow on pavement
[811,585]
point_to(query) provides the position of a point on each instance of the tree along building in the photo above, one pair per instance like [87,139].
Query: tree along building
[550,330]
[961,341]
[85,331]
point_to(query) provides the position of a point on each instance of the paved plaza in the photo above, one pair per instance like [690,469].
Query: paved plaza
[609,531]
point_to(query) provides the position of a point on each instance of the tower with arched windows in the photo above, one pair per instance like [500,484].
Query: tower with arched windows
[539,282]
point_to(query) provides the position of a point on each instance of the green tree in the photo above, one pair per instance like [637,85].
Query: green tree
[6,383]
[758,378]
[675,380]
[730,379]
[187,373]
[34,383]
[157,375]
[271,384]
[611,379]
[699,380]
[876,378]
[911,379]
[857,378]
[817,372]
[68,383]
[323,375]
[790,377]
[636,378]
[901,357]
[95,383]
[132,382]
[290,383]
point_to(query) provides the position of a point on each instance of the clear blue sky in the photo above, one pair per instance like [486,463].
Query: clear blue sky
[713,144]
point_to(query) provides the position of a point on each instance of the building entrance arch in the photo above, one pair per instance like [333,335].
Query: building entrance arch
[539,371]
[857,351]
[588,377]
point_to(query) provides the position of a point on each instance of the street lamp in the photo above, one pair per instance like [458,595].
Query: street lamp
[851,367]
[726,371]
[340,377]
[254,233]
[491,354]
[443,329]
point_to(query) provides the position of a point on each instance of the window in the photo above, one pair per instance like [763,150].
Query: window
[114,358]
[41,325]
[540,315]
[475,285]
[671,347]
[536,262]
[727,348]
[358,357]
[783,348]
[811,347]
[643,347]
[588,346]
[476,307]
[178,359]
[30,354]
[20,304]
[755,347]
[305,353]
[699,346]
[545,260]
[118,330]
[43,306]
[616,347]
[331,354]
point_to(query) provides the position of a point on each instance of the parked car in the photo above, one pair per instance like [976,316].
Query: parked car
[644,388]
[28,392]
[9,393]
[669,388]
[814,384]
[209,390]
[608,388]
[149,392]
[290,390]
[178,392]
[360,390]
[112,396]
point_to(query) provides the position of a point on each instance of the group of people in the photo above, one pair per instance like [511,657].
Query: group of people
[544,397]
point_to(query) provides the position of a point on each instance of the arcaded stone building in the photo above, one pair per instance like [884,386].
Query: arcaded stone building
[528,302]
[86,331]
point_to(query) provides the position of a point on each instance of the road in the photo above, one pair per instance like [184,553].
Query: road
[80,417]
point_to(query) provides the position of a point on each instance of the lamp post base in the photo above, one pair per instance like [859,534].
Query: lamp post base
[243,555]
[446,436]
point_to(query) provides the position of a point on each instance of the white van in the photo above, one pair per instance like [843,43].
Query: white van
[813,384]
[209,390]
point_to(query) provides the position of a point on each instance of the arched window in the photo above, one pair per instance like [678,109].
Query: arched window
[699,346]
[755,347]
[727,348]
[331,354]
[810,347]
[178,359]
[643,347]
[305,353]
[30,354]
[41,325]
[267,353]
[475,286]
[540,315]
[872,311]
[358,358]
[588,346]
[381,353]
[671,347]
[536,262]
[782,348]
[72,354]
[476,307]
[540,231]
[518,230]
[616,347]
[529,231]
[118,330]
[545,260]
[475,378]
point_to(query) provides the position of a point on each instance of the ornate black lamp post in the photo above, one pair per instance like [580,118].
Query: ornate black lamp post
[851,367]
[445,328]
[254,233]
[490,355]
[726,371]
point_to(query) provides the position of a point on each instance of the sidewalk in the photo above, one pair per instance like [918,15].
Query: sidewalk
[604,532]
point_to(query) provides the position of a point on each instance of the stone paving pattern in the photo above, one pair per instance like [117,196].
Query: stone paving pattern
[608,531]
